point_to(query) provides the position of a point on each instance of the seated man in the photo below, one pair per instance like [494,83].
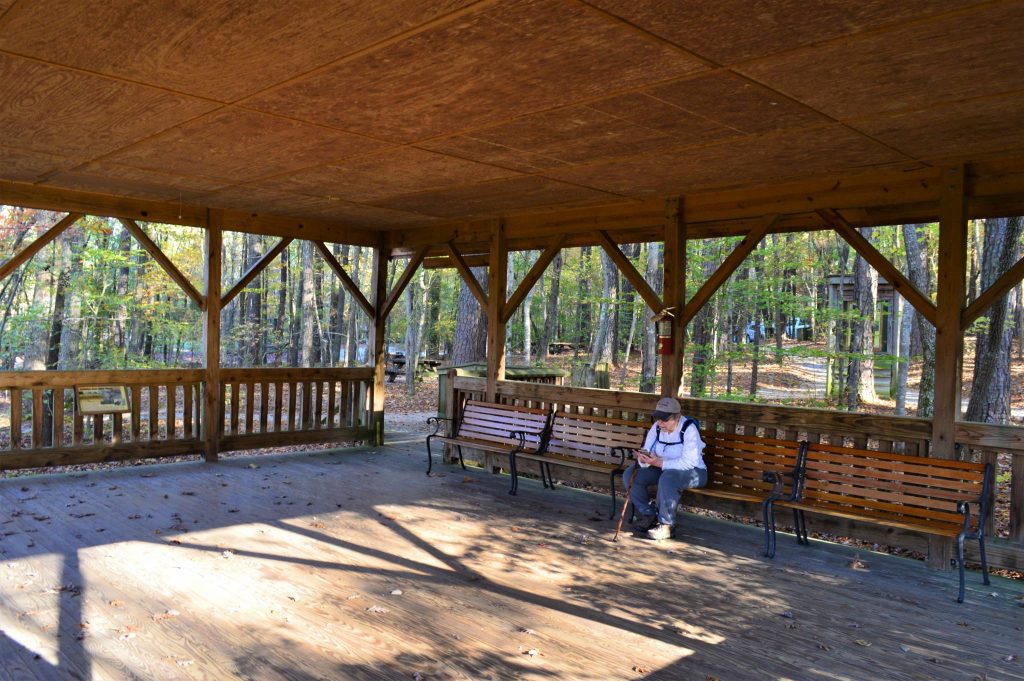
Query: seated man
[672,458]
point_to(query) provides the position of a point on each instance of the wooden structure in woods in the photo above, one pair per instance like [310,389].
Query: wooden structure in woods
[452,133]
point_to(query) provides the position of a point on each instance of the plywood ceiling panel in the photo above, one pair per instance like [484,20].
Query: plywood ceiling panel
[964,129]
[390,173]
[729,31]
[508,59]
[240,145]
[945,59]
[28,166]
[495,198]
[70,113]
[767,158]
[221,49]
[464,146]
[576,134]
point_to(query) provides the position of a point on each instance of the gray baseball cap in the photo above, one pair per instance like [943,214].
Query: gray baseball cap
[667,407]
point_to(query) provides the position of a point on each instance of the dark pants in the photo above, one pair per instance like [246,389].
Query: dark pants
[671,484]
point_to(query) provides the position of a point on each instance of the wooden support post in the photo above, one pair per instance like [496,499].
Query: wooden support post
[949,345]
[380,295]
[497,284]
[212,418]
[674,296]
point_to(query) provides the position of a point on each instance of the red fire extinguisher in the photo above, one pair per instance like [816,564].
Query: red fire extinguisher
[664,322]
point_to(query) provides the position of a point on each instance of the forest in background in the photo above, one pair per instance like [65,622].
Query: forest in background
[803,308]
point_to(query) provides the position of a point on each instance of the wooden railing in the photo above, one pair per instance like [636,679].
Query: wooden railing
[886,433]
[276,407]
[40,426]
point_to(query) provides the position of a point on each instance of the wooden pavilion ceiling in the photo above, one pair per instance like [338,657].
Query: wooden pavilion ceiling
[397,114]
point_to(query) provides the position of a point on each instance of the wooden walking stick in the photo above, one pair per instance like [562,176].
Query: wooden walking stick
[625,505]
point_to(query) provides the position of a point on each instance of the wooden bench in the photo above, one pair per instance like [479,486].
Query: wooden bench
[498,428]
[593,443]
[921,494]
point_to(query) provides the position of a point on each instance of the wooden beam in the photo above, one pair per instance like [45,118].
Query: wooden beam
[443,262]
[498,283]
[531,278]
[949,340]
[346,280]
[467,275]
[175,213]
[379,277]
[675,294]
[649,295]
[31,249]
[169,267]
[998,289]
[900,283]
[728,266]
[212,420]
[403,281]
[254,271]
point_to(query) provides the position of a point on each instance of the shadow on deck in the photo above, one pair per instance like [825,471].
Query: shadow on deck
[354,565]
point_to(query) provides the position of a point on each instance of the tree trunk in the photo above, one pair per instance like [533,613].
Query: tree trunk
[903,369]
[990,392]
[550,332]
[867,293]
[338,313]
[701,344]
[531,258]
[470,324]
[281,345]
[649,365]
[353,315]
[920,276]
[601,350]
[308,306]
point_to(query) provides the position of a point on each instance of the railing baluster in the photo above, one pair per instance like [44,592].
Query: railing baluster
[264,402]
[58,416]
[37,418]
[136,418]
[117,421]
[278,405]
[187,431]
[249,407]
[318,411]
[293,402]
[234,408]
[331,403]
[97,430]
[15,418]
[172,411]
[153,393]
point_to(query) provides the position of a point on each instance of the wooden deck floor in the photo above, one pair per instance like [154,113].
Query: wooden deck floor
[355,565]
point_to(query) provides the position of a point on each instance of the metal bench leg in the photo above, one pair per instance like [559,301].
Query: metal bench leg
[767,513]
[551,480]
[515,475]
[461,461]
[543,475]
[984,562]
[960,565]
[800,524]
[430,457]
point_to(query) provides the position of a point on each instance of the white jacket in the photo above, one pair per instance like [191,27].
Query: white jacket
[675,453]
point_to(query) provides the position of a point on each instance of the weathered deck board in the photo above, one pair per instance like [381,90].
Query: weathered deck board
[194,571]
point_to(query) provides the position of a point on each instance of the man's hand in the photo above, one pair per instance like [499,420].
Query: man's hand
[647,458]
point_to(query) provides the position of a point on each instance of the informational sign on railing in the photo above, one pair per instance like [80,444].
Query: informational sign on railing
[101,399]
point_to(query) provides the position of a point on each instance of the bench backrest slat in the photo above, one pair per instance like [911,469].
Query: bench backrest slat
[899,487]
[592,438]
[496,422]
[737,463]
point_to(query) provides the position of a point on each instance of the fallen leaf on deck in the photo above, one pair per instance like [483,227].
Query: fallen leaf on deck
[116,603]
[466,479]
[524,630]
[532,652]
[166,615]
[376,608]
[641,669]
[825,646]
[904,648]
[1010,658]
[184,663]
[862,642]
[417,676]
[253,466]
[857,563]
[788,613]
[227,554]
[396,592]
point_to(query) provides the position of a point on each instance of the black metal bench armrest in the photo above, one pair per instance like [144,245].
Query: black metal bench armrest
[775,478]
[436,420]
[624,452]
[521,436]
